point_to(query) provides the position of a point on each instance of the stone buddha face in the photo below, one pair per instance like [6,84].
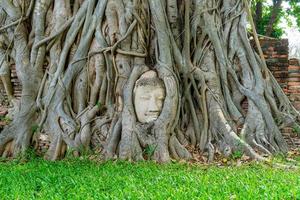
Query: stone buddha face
[149,96]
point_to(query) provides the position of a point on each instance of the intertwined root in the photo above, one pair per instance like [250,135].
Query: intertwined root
[95,51]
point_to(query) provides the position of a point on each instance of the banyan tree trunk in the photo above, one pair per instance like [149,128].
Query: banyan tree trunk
[139,79]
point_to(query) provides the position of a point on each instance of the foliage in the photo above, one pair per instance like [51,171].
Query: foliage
[295,10]
[236,154]
[296,129]
[83,179]
[5,119]
[286,14]
[34,128]
[99,104]
[149,151]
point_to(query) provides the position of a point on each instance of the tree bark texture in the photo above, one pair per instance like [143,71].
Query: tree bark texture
[78,62]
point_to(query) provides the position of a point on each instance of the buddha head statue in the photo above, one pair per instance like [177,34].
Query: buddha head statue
[149,96]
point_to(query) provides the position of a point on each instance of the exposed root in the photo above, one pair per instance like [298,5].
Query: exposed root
[95,51]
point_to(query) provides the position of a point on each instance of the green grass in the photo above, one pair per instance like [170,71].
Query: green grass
[83,179]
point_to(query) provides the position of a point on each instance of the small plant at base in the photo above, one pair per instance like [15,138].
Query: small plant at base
[296,129]
[85,152]
[26,156]
[279,157]
[149,151]
[99,104]
[69,155]
[30,154]
[78,153]
[34,128]
[277,121]
[236,154]
[5,119]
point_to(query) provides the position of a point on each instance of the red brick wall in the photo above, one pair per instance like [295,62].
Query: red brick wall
[276,54]
[15,83]
[287,72]
[294,82]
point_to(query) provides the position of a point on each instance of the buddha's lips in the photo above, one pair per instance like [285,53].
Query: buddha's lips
[155,114]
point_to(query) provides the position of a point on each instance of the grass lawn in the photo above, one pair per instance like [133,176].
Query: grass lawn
[83,179]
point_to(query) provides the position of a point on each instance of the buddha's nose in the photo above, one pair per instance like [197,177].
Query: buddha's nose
[153,107]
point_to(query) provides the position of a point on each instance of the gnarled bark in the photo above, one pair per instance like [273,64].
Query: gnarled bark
[78,62]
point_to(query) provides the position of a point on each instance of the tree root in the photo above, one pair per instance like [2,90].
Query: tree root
[95,51]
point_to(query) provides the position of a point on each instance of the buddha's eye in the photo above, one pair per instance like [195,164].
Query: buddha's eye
[159,98]
[160,101]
